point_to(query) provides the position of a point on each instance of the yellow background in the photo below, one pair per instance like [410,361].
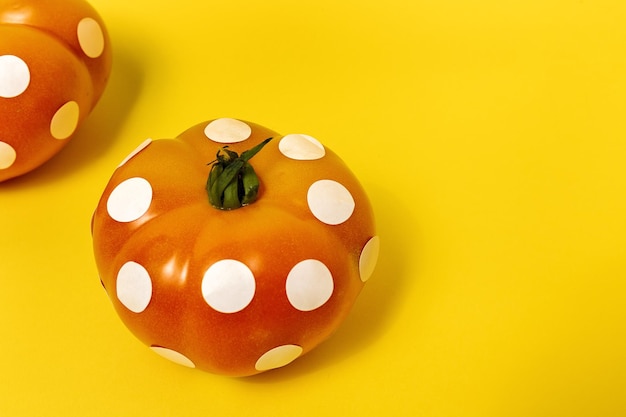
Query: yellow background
[490,135]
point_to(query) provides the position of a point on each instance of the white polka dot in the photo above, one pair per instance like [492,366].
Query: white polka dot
[134,287]
[330,202]
[227,130]
[7,155]
[309,285]
[173,356]
[301,147]
[278,357]
[228,286]
[369,257]
[140,148]
[65,120]
[14,76]
[130,200]
[90,37]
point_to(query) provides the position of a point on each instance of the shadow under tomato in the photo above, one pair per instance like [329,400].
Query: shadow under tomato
[377,304]
[99,129]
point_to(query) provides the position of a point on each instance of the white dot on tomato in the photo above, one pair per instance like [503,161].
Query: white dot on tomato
[309,285]
[369,258]
[301,147]
[278,357]
[65,121]
[137,150]
[134,287]
[330,202]
[14,76]
[8,155]
[227,130]
[228,286]
[90,37]
[173,356]
[130,200]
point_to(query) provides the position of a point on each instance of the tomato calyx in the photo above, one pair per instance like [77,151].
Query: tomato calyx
[232,182]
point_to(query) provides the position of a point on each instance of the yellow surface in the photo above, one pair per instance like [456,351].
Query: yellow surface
[490,135]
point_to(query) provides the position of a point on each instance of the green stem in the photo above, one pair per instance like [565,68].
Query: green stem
[232,181]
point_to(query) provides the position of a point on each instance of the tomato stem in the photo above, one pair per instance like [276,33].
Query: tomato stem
[232,181]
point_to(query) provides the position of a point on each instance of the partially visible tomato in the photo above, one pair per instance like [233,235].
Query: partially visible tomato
[55,60]
[234,290]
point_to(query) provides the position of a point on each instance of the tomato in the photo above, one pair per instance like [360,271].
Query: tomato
[55,60]
[234,290]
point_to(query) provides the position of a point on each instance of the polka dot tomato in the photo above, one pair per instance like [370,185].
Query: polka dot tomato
[231,252]
[55,61]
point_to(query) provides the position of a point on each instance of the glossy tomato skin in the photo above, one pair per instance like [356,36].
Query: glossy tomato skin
[178,237]
[55,61]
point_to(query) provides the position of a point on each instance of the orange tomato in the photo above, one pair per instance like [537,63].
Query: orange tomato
[240,291]
[55,60]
